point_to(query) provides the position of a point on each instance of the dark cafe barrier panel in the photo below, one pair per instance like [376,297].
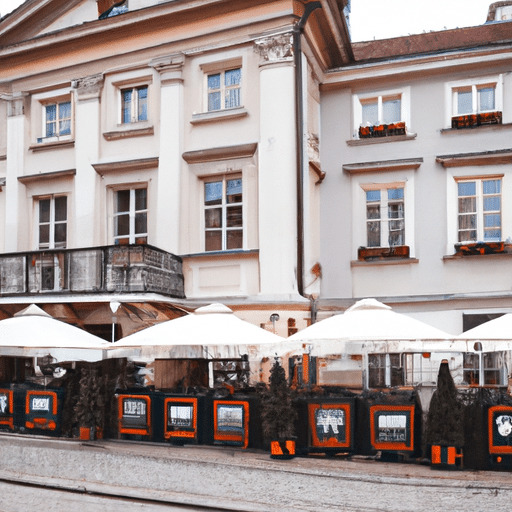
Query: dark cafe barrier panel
[392,427]
[134,414]
[231,422]
[181,419]
[43,411]
[330,425]
[500,434]
[7,408]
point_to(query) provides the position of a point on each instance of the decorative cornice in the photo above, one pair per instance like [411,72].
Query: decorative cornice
[46,176]
[384,165]
[216,154]
[275,49]
[500,157]
[127,133]
[170,68]
[126,166]
[88,87]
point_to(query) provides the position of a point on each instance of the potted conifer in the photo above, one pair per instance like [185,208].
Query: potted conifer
[278,415]
[90,407]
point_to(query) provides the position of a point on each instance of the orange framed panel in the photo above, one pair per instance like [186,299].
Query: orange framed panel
[7,407]
[134,414]
[499,419]
[41,408]
[180,417]
[330,425]
[231,422]
[392,427]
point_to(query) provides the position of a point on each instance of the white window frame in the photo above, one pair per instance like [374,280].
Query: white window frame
[359,99]
[384,217]
[480,227]
[43,100]
[214,68]
[224,229]
[134,104]
[52,222]
[452,88]
[132,236]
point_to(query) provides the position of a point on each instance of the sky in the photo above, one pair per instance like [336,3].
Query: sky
[381,19]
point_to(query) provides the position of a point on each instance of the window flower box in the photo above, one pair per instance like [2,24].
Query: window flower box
[479,248]
[377,253]
[381,130]
[472,120]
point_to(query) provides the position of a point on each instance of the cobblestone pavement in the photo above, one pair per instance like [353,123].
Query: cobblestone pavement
[239,480]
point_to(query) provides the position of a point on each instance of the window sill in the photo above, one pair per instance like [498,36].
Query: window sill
[387,261]
[219,115]
[479,250]
[381,140]
[127,131]
[45,146]
[234,253]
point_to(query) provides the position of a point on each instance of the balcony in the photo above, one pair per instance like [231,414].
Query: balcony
[110,269]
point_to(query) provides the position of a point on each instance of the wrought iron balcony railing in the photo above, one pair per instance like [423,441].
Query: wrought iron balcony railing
[114,268]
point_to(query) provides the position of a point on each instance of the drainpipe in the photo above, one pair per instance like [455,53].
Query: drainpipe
[299,114]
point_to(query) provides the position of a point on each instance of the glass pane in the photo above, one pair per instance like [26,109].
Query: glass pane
[395,193]
[373,195]
[213,241]
[486,98]
[65,110]
[467,221]
[44,234]
[51,129]
[234,239]
[51,112]
[396,238]
[232,98]
[492,186]
[492,235]
[370,113]
[60,208]
[464,102]
[65,127]
[467,205]
[234,191]
[213,218]
[467,236]
[373,234]
[141,199]
[213,193]
[44,210]
[60,234]
[391,111]
[234,217]
[122,225]
[214,101]
[214,81]
[373,212]
[232,77]
[492,203]
[467,188]
[141,223]
[396,211]
[143,104]
[123,201]
[492,220]
[127,106]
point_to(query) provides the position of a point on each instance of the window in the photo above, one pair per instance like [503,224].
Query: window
[223,214]
[381,114]
[475,102]
[224,89]
[385,217]
[479,210]
[58,119]
[52,212]
[385,370]
[494,369]
[130,216]
[134,104]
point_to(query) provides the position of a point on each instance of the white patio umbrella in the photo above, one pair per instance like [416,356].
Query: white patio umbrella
[34,333]
[494,335]
[211,332]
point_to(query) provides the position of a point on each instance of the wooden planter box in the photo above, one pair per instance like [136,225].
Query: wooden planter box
[377,253]
[381,130]
[472,120]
